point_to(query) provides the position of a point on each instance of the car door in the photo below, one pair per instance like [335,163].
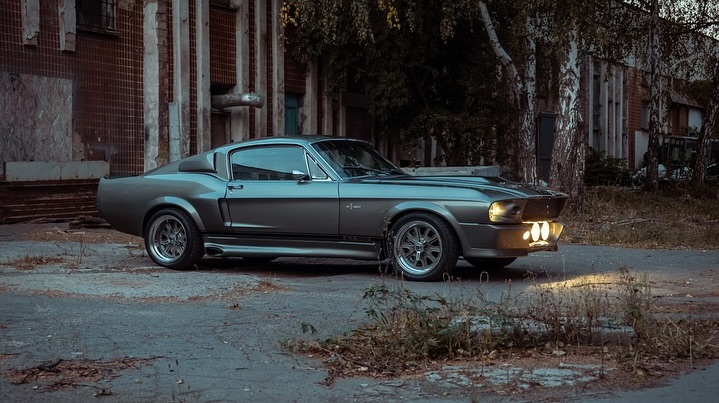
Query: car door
[265,197]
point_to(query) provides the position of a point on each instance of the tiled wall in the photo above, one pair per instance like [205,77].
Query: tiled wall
[164,33]
[222,45]
[294,71]
[97,90]
[270,73]
[251,36]
[106,75]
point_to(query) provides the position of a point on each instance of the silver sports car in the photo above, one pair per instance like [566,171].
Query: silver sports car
[328,197]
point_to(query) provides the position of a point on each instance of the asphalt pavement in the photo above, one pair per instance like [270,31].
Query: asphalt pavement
[217,333]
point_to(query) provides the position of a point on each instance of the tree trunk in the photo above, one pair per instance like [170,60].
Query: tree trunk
[569,151]
[705,135]
[524,89]
[528,134]
[652,179]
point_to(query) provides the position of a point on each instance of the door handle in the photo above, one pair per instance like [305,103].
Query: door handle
[234,187]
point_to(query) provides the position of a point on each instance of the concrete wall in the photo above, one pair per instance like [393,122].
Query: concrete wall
[27,171]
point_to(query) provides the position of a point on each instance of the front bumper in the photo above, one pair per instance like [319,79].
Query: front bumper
[513,240]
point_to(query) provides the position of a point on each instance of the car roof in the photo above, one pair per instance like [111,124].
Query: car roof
[298,139]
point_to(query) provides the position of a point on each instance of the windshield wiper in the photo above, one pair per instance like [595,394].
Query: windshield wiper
[375,171]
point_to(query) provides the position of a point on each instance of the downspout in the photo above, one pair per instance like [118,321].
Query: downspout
[243,99]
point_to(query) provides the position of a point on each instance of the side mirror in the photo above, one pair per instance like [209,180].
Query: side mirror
[300,176]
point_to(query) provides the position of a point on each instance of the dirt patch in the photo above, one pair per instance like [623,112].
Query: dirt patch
[60,374]
[31,262]
[546,373]
[89,235]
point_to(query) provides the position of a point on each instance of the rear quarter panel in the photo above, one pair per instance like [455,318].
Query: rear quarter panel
[127,202]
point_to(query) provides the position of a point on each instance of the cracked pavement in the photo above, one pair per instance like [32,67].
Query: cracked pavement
[216,333]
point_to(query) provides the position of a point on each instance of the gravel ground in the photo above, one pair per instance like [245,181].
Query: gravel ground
[85,313]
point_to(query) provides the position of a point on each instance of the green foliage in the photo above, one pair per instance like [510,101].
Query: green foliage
[603,170]
[425,67]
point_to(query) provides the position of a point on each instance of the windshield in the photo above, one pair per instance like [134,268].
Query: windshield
[351,159]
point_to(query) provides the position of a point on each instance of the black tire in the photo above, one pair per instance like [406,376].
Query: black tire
[490,263]
[423,247]
[172,240]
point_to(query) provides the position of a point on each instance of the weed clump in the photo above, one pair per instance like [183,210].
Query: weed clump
[405,332]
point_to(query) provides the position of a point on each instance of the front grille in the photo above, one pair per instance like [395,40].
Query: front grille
[543,209]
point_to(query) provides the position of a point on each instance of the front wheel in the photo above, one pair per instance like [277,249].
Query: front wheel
[423,247]
[172,239]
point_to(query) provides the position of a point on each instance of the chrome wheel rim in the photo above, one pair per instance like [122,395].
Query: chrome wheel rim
[168,239]
[417,248]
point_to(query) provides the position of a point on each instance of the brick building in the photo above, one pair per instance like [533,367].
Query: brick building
[133,82]
[617,112]
[131,85]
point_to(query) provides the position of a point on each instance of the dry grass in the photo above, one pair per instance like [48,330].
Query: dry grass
[633,218]
[61,374]
[405,332]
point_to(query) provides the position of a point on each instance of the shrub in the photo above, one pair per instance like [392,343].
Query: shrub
[603,170]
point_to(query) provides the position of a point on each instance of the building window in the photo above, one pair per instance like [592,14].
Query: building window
[645,115]
[96,15]
[292,113]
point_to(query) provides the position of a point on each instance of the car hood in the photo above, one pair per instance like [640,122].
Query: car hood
[485,184]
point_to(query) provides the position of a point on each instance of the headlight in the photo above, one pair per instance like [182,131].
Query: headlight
[505,211]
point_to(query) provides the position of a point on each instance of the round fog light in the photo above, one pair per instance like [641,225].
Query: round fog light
[535,232]
[545,231]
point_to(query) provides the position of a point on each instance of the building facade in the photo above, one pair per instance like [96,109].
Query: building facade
[138,83]
[617,105]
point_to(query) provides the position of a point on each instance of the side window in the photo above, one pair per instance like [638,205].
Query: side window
[315,171]
[268,162]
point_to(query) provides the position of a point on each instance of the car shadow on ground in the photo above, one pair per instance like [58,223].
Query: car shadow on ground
[295,267]
[316,267]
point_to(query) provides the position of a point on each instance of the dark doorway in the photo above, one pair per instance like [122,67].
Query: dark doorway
[545,142]
[292,114]
[219,129]
[358,121]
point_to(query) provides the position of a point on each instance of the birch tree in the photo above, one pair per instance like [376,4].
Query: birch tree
[698,26]
[655,93]
[705,134]
[523,86]
[569,148]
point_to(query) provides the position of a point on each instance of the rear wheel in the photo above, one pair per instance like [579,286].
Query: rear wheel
[172,239]
[492,263]
[423,247]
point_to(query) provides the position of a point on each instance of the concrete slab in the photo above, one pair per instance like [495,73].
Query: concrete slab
[18,171]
